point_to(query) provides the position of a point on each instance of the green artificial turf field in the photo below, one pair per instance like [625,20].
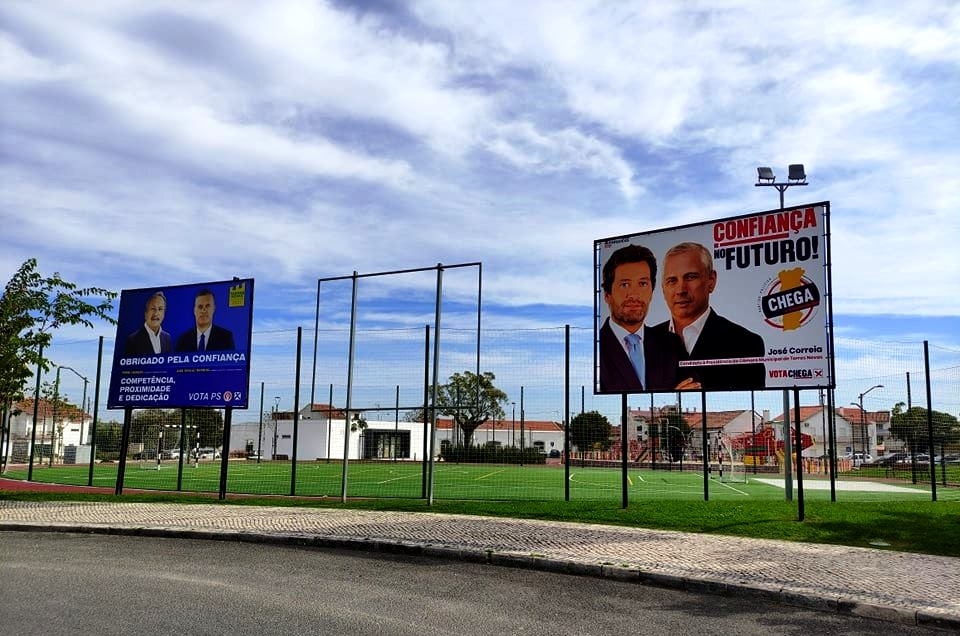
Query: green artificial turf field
[389,479]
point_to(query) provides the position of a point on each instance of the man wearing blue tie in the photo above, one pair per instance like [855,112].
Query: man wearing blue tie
[634,357]
[206,336]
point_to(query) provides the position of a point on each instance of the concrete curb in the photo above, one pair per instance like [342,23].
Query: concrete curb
[919,616]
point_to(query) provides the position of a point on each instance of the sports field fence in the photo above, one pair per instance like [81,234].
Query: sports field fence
[551,438]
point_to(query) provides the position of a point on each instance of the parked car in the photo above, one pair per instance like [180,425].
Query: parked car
[891,459]
[147,453]
[859,459]
[171,453]
[206,453]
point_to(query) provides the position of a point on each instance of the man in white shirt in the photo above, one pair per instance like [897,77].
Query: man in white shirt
[688,280]
[150,338]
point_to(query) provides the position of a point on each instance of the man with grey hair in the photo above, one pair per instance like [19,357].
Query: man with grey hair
[688,280]
[150,338]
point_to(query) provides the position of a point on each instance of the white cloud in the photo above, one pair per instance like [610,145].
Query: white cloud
[522,145]
[297,139]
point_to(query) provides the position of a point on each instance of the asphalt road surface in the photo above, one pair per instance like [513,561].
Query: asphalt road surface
[52,583]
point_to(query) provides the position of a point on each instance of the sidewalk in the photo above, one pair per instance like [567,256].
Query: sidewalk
[892,586]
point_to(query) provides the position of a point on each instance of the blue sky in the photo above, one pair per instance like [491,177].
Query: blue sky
[148,144]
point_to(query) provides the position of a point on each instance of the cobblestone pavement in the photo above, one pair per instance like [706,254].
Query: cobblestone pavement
[893,586]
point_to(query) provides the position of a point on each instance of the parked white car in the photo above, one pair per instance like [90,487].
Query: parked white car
[206,453]
[860,459]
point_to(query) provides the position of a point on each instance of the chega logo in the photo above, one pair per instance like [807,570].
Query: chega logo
[790,300]
[798,374]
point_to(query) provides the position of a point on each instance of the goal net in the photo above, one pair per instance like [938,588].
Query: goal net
[730,466]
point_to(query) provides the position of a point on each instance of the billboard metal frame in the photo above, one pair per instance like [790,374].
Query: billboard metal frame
[774,270]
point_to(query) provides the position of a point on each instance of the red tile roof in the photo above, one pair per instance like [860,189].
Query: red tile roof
[66,411]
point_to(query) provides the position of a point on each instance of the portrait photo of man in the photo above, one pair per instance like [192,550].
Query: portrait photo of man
[150,338]
[632,356]
[689,278]
[205,336]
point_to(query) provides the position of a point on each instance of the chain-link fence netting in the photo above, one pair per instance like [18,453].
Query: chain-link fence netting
[360,425]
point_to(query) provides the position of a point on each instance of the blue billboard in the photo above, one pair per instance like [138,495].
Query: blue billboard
[186,346]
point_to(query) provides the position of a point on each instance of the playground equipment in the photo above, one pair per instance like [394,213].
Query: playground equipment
[763,447]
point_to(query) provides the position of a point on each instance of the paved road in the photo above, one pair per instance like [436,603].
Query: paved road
[68,583]
[901,588]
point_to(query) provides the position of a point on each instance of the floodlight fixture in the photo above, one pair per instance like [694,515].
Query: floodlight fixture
[796,173]
[797,176]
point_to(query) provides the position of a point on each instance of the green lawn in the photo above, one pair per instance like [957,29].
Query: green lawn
[493,482]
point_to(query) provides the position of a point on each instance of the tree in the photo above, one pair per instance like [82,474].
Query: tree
[58,403]
[471,400]
[108,438]
[675,429]
[208,424]
[590,431]
[358,423]
[32,307]
[146,424]
[910,425]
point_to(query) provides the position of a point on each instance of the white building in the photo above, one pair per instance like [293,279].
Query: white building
[72,428]
[853,431]
[321,432]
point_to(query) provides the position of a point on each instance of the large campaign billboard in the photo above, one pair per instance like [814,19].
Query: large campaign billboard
[739,303]
[183,346]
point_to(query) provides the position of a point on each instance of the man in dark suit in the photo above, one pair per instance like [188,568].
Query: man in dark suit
[206,336]
[150,338]
[688,280]
[634,357]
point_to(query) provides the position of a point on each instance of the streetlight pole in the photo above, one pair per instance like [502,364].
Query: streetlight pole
[863,418]
[53,429]
[82,402]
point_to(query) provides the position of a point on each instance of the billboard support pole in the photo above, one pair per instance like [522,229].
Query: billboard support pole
[787,451]
[96,408]
[832,450]
[705,445]
[225,452]
[183,448]
[124,441]
[799,442]
[624,446]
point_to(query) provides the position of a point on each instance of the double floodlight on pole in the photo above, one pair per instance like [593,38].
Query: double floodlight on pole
[796,176]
